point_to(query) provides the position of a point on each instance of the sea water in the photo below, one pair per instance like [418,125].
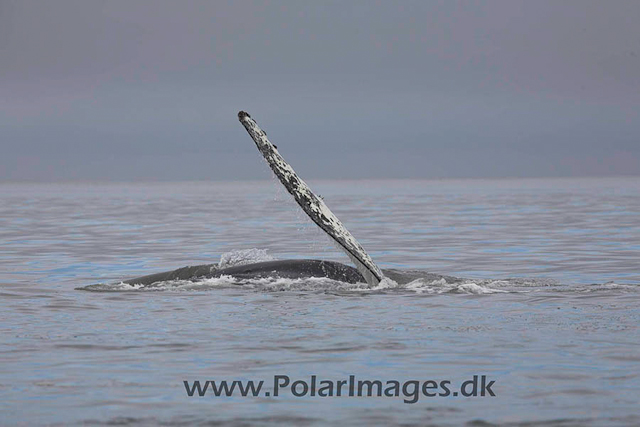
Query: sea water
[534,284]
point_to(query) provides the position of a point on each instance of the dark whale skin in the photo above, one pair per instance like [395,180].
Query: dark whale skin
[290,269]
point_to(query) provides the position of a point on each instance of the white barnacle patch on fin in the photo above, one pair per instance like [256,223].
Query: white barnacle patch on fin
[311,204]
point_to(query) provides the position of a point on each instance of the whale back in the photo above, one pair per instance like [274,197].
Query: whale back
[290,269]
[294,269]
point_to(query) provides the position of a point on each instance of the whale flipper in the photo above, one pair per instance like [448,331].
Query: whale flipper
[311,204]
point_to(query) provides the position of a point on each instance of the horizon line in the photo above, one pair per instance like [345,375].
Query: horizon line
[240,180]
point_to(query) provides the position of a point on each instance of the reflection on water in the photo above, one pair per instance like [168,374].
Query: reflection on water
[541,293]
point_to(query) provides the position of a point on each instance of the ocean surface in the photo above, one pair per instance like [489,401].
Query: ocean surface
[533,283]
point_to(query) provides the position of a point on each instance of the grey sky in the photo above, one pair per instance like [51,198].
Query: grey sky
[126,90]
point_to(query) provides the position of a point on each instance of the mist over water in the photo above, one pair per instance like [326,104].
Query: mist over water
[535,283]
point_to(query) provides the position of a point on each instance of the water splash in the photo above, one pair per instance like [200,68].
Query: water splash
[244,256]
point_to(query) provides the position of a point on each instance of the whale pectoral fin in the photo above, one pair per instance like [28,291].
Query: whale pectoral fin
[311,204]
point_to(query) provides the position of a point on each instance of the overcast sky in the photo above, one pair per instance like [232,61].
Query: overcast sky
[150,90]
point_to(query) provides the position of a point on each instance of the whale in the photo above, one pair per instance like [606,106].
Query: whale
[365,270]
[278,269]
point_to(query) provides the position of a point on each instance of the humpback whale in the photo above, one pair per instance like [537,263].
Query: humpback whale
[365,269]
[289,269]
